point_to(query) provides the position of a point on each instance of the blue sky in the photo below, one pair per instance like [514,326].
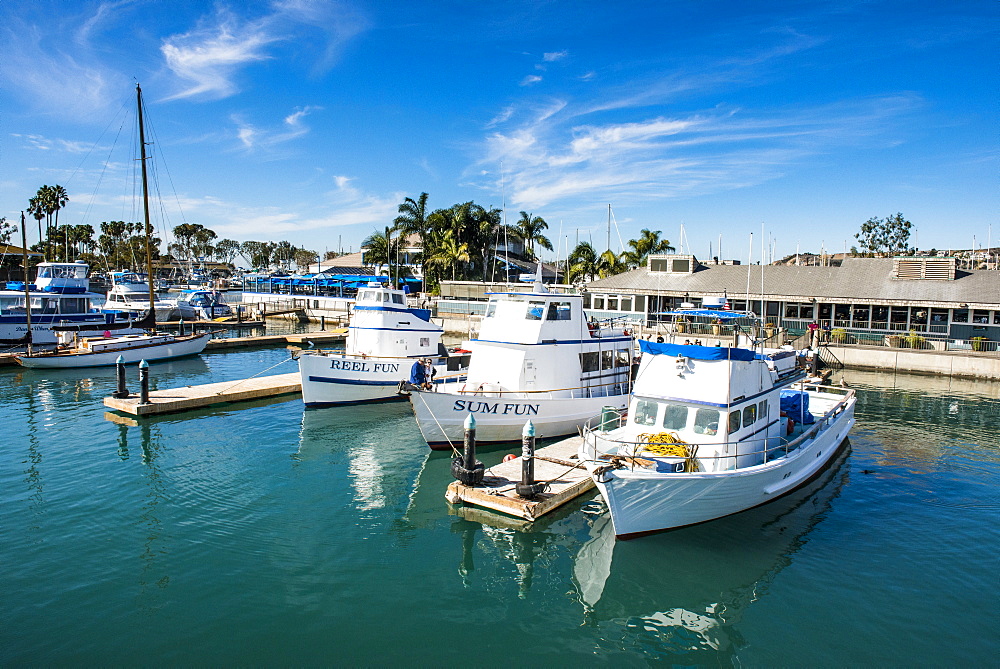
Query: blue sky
[311,120]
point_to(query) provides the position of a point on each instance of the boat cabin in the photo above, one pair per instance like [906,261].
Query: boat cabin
[383,325]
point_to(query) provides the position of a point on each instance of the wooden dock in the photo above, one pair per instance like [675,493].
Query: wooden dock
[555,464]
[196,397]
[319,338]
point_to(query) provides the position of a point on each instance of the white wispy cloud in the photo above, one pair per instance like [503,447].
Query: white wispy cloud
[47,76]
[530,79]
[557,152]
[210,56]
[292,127]
[554,56]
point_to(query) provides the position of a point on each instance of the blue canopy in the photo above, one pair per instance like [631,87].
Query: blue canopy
[722,315]
[697,352]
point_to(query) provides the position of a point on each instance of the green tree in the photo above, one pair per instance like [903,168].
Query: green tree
[381,250]
[226,250]
[412,219]
[648,242]
[885,237]
[6,231]
[304,258]
[609,264]
[258,254]
[581,263]
[529,229]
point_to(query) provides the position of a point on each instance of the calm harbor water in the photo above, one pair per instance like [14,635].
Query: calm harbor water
[271,535]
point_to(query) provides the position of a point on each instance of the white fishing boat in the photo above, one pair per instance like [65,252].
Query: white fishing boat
[385,339]
[59,296]
[203,305]
[536,357]
[75,350]
[712,431]
[130,292]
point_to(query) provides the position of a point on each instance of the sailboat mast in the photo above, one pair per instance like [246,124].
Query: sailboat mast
[145,208]
[27,288]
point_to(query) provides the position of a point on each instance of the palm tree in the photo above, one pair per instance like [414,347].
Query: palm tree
[449,253]
[529,228]
[648,242]
[581,263]
[609,264]
[412,219]
[380,249]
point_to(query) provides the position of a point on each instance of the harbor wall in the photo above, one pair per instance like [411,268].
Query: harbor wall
[960,364]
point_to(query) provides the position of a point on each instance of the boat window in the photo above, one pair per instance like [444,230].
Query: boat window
[366,295]
[398,299]
[534,312]
[749,415]
[590,362]
[734,422]
[675,417]
[491,309]
[762,409]
[706,421]
[623,359]
[607,359]
[558,311]
[645,412]
[385,297]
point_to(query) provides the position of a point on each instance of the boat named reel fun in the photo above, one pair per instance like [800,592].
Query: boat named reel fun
[712,431]
[385,340]
[536,357]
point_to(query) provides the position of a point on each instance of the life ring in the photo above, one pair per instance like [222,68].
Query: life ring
[509,457]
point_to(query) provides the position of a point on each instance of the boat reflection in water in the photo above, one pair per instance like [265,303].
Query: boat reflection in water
[674,595]
[686,589]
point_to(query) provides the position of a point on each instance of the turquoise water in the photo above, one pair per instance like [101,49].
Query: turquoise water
[271,535]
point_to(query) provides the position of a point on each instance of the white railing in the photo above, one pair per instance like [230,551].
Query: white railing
[598,444]
[486,389]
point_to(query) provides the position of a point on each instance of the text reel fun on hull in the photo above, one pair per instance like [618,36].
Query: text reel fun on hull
[385,340]
[536,357]
[712,431]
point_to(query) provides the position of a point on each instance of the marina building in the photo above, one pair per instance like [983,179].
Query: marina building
[863,299]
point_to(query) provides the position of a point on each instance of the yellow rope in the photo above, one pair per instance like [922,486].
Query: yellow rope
[664,443]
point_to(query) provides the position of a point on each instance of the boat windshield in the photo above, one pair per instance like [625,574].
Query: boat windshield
[676,417]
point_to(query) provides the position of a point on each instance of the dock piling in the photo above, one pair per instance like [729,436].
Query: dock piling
[465,467]
[121,392]
[143,382]
[527,488]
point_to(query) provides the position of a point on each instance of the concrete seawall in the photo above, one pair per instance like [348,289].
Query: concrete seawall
[965,364]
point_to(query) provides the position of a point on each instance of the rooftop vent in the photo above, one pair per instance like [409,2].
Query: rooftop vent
[940,269]
[673,264]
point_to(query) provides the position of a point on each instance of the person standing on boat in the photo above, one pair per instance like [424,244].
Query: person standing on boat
[429,373]
[418,374]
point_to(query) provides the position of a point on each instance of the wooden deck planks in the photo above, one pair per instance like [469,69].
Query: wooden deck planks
[552,463]
[194,397]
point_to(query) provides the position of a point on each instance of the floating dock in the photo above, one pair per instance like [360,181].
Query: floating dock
[318,338]
[555,464]
[196,397]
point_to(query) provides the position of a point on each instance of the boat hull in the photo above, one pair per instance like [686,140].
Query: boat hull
[178,347]
[642,502]
[441,416]
[330,380]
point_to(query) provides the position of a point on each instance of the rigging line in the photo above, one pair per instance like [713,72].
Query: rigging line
[94,146]
[104,170]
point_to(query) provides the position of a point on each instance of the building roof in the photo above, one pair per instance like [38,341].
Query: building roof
[864,280]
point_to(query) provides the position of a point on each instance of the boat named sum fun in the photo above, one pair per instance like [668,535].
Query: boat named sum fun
[712,431]
[536,358]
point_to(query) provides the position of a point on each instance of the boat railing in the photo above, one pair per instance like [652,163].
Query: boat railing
[698,457]
[486,389]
